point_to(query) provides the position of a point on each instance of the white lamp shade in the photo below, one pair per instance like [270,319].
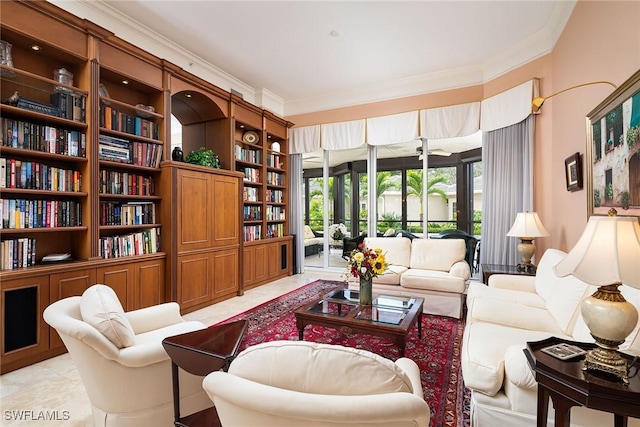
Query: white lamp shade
[608,252]
[527,224]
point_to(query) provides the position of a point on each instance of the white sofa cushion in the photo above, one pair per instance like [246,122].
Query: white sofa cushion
[313,369]
[513,314]
[563,295]
[432,280]
[391,276]
[397,251]
[436,254]
[100,307]
[480,290]
[308,233]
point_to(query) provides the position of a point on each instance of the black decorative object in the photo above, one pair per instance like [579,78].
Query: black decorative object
[177,154]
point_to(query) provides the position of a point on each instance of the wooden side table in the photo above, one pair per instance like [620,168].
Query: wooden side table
[568,385]
[200,353]
[489,269]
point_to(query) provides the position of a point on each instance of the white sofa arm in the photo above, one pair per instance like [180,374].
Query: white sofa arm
[513,282]
[460,269]
[516,368]
[413,372]
[154,317]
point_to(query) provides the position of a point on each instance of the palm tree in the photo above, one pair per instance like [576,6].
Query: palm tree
[414,186]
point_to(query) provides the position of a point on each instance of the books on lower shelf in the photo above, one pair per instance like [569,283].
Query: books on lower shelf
[252,232]
[128,213]
[38,176]
[23,213]
[17,253]
[132,152]
[138,243]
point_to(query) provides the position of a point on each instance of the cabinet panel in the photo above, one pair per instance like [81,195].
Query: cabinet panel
[195,273]
[149,282]
[273,260]
[261,272]
[226,220]
[194,219]
[68,284]
[24,332]
[225,265]
[248,265]
[120,279]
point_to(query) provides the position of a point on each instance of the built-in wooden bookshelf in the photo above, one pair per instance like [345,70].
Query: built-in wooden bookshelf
[92,177]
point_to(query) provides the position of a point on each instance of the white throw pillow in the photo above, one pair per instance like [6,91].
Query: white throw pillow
[101,309]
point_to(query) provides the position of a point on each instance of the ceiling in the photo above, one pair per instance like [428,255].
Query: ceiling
[315,55]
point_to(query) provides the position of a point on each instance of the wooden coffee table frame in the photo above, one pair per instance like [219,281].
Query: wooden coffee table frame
[349,324]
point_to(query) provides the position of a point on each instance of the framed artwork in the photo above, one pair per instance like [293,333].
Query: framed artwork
[612,163]
[573,172]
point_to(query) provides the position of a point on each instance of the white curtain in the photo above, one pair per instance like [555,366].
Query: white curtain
[507,156]
[296,217]
[343,135]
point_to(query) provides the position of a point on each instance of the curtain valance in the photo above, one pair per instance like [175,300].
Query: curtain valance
[392,129]
[509,107]
[304,139]
[450,122]
[343,135]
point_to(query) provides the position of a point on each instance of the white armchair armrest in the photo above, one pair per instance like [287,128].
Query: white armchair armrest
[155,317]
[413,372]
[513,282]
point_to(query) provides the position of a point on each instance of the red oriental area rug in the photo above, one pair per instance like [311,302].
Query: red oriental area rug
[437,353]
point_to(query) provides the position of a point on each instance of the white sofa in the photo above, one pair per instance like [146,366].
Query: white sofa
[313,242]
[501,318]
[299,383]
[431,268]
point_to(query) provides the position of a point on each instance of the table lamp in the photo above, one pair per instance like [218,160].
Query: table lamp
[527,226]
[607,255]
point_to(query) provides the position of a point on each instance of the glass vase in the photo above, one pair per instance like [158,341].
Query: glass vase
[366,285]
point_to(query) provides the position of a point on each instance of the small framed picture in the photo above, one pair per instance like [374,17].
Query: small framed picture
[564,351]
[573,172]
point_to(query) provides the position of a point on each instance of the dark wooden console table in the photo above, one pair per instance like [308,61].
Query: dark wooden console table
[568,385]
[200,353]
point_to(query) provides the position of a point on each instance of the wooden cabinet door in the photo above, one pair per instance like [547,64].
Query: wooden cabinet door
[248,265]
[23,331]
[120,278]
[225,266]
[195,276]
[68,284]
[262,261]
[273,259]
[195,219]
[149,283]
[226,213]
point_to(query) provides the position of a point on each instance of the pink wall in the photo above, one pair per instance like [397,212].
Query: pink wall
[601,41]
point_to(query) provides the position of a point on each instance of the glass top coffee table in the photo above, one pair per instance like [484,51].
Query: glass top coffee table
[390,316]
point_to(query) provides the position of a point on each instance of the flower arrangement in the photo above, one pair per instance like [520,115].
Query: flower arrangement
[366,263]
[337,231]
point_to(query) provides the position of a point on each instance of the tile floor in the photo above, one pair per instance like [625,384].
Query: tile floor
[53,387]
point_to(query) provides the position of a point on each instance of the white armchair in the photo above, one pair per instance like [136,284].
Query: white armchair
[294,383]
[123,366]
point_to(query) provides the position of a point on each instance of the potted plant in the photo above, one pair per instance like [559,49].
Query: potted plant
[625,199]
[203,157]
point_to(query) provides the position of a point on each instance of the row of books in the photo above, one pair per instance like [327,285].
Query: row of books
[140,243]
[275,230]
[126,183]
[275,196]
[72,106]
[275,178]
[252,213]
[251,174]
[37,137]
[17,253]
[252,232]
[21,213]
[275,213]
[38,176]
[121,122]
[273,161]
[131,213]
[247,155]
[250,194]
[136,153]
